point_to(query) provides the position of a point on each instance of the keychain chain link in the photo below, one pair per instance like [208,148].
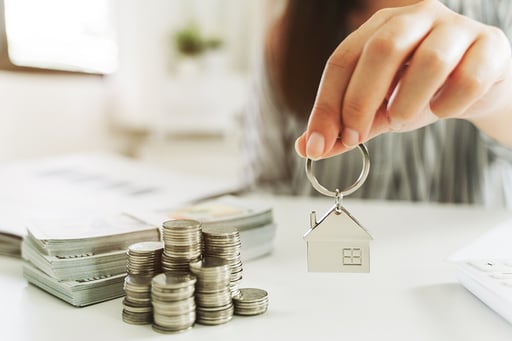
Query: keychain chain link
[338,201]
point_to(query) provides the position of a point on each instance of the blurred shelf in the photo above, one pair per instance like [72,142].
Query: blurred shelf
[200,104]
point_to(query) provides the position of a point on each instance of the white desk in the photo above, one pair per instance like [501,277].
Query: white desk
[410,294]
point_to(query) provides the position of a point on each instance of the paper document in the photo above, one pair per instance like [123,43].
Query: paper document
[74,186]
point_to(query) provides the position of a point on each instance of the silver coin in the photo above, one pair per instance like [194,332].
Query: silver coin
[170,295]
[145,247]
[251,295]
[250,312]
[217,299]
[182,224]
[134,318]
[140,302]
[173,280]
[213,321]
[251,301]
[175,321]
[214,316]
[174,308]
[137,281]
[164,330]
[210,262]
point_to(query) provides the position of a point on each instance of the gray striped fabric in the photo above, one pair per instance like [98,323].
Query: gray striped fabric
[450,161]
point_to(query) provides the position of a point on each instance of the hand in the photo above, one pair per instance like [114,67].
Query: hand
[403,69]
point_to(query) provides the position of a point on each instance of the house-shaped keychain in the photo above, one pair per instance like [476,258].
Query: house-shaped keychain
[337,243]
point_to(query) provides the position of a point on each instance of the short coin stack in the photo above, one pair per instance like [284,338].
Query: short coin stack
[137,307]
[144,261]
[250,302]
[224,242]
[174,307]
[213,296]
[182,239]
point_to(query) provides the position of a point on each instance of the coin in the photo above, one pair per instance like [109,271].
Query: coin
[145,258]
[173,280]
[213,295]
[182,244]
[215,315]
[251,301]
[202,270]
[144,261]
[145,247]
[172,297]
[136,318]
[224,242]
[137,314]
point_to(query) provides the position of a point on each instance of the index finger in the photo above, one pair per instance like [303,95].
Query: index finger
[325,119]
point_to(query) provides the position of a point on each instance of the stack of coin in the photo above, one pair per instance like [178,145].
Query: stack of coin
[137,303]
[182,239]
[213,296]
[174,308]
[144,261]
[250,302]
[224,242]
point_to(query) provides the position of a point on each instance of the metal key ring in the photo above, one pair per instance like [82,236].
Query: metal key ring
[354,187]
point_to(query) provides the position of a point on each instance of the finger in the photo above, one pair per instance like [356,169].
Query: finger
[323,131]
[382,57]
[479,69]
[325,115]
[380,126]
[338,148]
[300,145]
[431,64]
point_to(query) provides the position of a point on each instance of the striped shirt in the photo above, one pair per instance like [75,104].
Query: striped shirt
[449,161]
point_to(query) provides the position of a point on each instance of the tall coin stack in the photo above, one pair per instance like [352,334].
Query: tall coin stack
[174,308]
[144,261]
[224,242]
[213,295]
[182,239]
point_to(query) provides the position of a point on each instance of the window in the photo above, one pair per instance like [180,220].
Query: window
[75,36]
[352,256]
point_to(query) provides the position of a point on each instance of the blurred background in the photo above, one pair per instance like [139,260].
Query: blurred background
[164,81]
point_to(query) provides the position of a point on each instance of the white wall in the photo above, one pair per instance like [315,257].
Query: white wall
[48,114]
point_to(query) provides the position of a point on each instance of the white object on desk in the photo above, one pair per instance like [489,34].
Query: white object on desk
[484,267]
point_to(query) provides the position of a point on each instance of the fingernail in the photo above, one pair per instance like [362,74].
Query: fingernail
[396,125]
[297,148]
[315,146]
[350,138]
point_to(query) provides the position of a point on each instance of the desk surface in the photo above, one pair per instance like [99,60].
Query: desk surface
[410,294]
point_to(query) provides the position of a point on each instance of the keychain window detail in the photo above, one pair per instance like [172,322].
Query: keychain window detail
[352,256]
